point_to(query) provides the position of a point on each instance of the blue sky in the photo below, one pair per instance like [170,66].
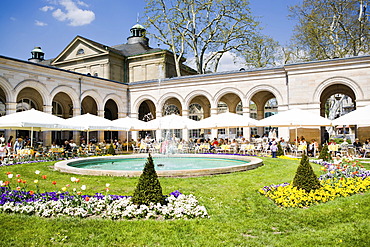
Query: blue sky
[52,24]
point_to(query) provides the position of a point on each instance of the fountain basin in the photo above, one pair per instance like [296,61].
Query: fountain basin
[232,164]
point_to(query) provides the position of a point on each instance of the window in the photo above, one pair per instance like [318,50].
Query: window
[222,107]
[57,109]
[80,52]
[25,104]
[196,112]
[170,109]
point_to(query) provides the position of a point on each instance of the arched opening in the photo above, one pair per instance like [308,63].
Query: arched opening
[147,112]
[230,103]
[89,105]
[172,106]
[27,99]
[111,113]
[199,108]
[335,101]
[263,104]
[62,106]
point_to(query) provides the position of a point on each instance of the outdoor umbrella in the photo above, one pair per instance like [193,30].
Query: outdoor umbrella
[170,122]
[294,118]
[89,122]
[360,116]
[225,120]
[128,123]
[35,120]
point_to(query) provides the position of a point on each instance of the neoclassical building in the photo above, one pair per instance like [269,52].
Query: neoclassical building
[136,80]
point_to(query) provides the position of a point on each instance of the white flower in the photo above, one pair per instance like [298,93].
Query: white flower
[10,175]
[37,172]
[73,179]
[83,187]
[107,185]
[2,183]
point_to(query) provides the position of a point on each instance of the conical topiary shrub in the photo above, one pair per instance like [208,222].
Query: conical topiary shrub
[111,150]
[148,188]
[305,178]
[324,154]
[280,151]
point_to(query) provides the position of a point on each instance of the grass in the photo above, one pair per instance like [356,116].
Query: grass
[240,216]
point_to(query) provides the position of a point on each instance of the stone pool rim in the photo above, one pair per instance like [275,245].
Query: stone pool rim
[253,163]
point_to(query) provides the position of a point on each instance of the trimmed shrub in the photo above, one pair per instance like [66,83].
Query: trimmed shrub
[305,177]
[280,151]
[111,150]
[324,153]
[148,188]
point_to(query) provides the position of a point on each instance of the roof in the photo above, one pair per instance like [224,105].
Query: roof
[135,49]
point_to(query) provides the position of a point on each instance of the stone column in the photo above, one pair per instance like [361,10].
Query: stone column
[246,130]
[158,133]
[46,135]
[100,133]
[11,107]
[213,131]
[185,132]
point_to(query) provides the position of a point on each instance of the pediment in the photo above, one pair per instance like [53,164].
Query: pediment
[80,48]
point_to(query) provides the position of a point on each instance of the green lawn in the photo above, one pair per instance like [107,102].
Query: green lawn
[239,215]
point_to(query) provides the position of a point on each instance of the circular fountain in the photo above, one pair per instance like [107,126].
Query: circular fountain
[178,165]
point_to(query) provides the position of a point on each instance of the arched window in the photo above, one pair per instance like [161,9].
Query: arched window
[222,107]
[271,107]
[196,112]
[239,108]
[170,109]
[252,110]
[57,109]
[80,51]
[25,104]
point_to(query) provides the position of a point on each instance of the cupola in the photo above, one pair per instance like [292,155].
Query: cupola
[37,55]
[138,35]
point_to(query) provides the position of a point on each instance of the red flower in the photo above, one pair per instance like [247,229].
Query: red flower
[31,192]
[18,188]
[43,176]
[24,181]
[8,173]
[77,180]
[19,180]
[18,175]
[87,198]
[6,183]
[107,189]
[54,182]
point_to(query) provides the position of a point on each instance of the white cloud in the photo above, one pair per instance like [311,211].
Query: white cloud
[46,8]
[82,4]
[73,14]
[40,23]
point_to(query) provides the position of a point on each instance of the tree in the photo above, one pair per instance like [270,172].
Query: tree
[148,188]
[207,29]
[305,177]
[262,52]
[331,29]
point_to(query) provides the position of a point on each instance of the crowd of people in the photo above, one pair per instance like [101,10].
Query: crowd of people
[268,143]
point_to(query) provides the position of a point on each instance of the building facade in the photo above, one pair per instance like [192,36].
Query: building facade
[135,80]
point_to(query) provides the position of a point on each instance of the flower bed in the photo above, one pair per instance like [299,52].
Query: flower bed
[63,203]
[342,179]
[54,204]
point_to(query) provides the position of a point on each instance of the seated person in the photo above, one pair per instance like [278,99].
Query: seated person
[358,146]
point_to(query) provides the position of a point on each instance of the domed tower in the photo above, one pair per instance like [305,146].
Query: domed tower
[37,55]
[138,35]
